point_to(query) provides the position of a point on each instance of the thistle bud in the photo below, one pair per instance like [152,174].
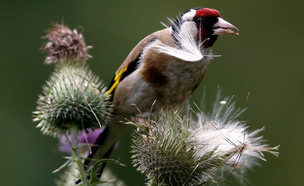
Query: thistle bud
[73,95]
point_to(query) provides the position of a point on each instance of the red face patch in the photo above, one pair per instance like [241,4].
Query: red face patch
[207,12]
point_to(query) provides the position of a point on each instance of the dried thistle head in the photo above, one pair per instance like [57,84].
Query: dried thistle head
[63,43]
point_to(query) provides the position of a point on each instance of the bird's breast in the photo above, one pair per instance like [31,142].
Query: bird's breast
[182,78]
[171,81]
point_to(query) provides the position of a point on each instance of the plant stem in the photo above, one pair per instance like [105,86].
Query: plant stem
[76,156]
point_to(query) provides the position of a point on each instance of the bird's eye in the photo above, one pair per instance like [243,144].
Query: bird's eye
[198,20]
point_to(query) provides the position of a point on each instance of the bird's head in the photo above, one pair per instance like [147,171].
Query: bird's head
[205,24]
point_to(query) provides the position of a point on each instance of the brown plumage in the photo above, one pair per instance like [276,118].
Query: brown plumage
[160,77]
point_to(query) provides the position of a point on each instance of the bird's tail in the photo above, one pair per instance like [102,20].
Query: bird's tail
[104,144]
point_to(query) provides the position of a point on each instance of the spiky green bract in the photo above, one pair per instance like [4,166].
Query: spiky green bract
[162,152]
[72,96]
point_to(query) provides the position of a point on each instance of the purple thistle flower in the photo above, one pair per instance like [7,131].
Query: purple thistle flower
[85,141]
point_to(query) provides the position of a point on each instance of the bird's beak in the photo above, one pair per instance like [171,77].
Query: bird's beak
[222,27]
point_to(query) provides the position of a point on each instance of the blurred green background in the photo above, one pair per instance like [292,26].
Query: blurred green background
[265,60]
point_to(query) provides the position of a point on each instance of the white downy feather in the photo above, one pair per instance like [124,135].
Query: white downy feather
[189,50]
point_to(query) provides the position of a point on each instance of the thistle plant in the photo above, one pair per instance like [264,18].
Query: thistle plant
[177,149]
[73,96]
[73,99]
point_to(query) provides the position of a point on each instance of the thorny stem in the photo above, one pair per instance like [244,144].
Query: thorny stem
[76,157]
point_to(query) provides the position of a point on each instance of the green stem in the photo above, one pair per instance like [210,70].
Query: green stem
[76,156]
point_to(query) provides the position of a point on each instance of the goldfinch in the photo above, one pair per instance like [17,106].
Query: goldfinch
[162,70]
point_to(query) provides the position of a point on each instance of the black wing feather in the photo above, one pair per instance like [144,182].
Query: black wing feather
[131,68]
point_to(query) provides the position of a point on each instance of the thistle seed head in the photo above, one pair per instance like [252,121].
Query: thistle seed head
[179,149]
[162,152]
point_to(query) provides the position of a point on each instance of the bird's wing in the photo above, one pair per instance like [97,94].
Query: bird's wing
[133,59]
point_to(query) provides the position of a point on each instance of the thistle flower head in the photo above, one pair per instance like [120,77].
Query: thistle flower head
[177,149]
[162,152]
[63,43]
[72,96]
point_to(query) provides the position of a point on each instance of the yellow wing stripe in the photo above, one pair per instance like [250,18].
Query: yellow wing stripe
[116,79]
